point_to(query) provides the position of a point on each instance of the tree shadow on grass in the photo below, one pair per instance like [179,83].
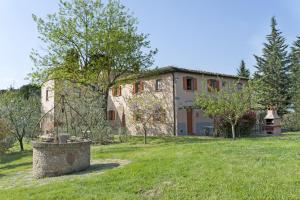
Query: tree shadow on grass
[119,149]
[98,167]
[10,157]
[15,166]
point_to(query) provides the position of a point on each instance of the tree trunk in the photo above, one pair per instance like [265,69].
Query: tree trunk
[145,135]
[233,131]
[21,144]
[105,106]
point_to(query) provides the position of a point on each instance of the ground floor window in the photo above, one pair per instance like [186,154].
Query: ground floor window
[111,115]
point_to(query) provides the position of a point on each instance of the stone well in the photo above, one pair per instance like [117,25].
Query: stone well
[51,159]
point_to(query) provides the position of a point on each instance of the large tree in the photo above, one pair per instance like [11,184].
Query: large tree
[21,113]
[91,43]
[272,71]
[242,71]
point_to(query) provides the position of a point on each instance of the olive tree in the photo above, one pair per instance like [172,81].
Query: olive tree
[91,43]
[147,111]
[5,134]
[21,114]
[231,103]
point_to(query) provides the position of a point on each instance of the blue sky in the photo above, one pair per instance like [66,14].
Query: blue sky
[212,35]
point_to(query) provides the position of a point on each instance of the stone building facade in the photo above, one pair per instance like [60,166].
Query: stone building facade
[177,87]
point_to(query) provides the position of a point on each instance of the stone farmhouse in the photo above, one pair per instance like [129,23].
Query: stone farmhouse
[177,87]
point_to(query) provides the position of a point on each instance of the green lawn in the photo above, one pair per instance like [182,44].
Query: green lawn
[172,168]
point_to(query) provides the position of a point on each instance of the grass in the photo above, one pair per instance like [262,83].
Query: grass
[175,168]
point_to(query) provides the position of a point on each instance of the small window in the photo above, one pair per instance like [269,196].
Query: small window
[111,115]
[137,116]
[159,115]
[158,85]
[78,92]
[213,85]
[189,84]
[47,94]
[239,86]
[224,84]
[117,91]
[138,87]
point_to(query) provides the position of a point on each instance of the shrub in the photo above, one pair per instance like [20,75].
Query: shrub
[244,126]
[291,122]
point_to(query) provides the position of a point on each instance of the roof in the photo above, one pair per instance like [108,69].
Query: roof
[170,69]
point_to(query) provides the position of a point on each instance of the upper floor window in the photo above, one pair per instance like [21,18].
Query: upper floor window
[138,87]
[213,85]
[189,83]
[117,91]
[224,84]
[158,85]
[239,86]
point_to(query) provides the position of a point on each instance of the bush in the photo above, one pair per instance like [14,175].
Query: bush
[291,122]
[243,127]
[6,139]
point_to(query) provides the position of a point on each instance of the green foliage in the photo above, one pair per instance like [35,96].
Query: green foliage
[243,128]
[272,72]
[22,114]
[295,75]
[291,121]
[90,43]
[242,71]
[5,136]
[230,104]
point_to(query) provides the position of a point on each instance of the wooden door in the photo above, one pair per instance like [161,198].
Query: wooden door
[189,119]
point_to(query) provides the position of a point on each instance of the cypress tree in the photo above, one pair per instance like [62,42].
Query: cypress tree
[273,71]
[295,75]
[243,71]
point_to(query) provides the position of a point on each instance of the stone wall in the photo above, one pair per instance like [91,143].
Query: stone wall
[51,159]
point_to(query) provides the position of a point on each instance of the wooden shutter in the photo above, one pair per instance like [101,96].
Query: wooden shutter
[134,88]
[113,115]
[184,83]
[194,84]
[113,91]
[120,90]
[141,86]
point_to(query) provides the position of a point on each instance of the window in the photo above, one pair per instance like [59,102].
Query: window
[159,115]
[189,83]
[111,115]
[224,84]
[213,85]
[77,92]
[138,87]
[158,85]
[239,86]
[47,94]
[117,91]
[137,116]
